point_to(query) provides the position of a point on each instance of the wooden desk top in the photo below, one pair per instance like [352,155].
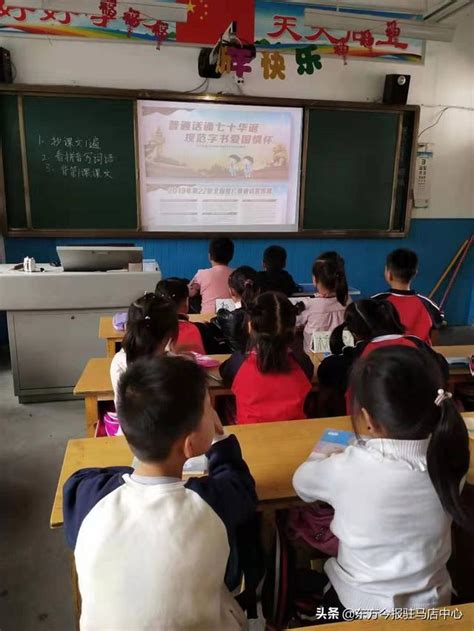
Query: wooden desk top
[95,378]
[465,350]
[466,623]
[107,331]
[273,452]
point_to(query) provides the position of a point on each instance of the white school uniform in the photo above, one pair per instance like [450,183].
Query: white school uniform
[394,535]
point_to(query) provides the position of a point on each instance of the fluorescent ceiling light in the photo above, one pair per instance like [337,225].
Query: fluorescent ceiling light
[414,29]
[446,9]
[166,11]
[416,7]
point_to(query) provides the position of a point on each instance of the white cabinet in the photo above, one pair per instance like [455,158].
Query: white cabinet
[53,324]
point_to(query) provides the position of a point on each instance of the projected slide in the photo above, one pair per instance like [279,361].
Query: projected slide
[219,167]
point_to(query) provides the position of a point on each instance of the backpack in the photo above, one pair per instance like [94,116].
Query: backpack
[311,524]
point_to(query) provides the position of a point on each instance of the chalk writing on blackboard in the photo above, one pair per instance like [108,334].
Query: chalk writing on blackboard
[76,158]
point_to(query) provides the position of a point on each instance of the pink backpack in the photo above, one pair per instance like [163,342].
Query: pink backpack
[311,525]
[108,425]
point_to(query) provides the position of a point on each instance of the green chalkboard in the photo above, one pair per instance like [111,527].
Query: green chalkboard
[81,163]
[12,164]
[352,162]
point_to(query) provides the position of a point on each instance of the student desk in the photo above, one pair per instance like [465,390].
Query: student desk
[273,452]
[465,623]
[112,337]
[457,374]
[95,386]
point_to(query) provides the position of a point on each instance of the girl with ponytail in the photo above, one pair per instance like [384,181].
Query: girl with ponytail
[373,324]
[233,325]
[397,491]
[272,380]
[326,310]
[152,327]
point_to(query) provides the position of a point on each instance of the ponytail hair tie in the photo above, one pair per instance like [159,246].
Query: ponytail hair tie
[442,396]
[248,283]
[147,318]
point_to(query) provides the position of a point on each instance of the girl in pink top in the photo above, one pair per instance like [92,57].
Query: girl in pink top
[325,311]
[213,283]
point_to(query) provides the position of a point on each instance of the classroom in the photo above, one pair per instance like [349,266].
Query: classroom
[237,315]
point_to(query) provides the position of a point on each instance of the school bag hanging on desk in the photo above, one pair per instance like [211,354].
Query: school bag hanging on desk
[310,524]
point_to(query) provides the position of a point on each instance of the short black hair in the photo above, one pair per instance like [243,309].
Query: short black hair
[152,409]
[403,264]
[274,258]
[221,250]
[248,158]
[175,289]
[234,157]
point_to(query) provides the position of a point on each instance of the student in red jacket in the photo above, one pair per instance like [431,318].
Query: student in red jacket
[373,324]
[418,314]
[272,380]
[189,335]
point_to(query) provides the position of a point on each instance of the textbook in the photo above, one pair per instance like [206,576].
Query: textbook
[335,441]
[195,466]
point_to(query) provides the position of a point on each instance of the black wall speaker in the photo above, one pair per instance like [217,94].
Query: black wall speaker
[396,89]
[6,75]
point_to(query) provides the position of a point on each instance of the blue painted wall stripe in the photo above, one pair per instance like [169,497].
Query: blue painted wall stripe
[435,241]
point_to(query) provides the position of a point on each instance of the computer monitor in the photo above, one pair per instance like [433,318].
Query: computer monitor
[97,258]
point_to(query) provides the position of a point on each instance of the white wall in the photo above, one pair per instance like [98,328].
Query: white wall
[447,78]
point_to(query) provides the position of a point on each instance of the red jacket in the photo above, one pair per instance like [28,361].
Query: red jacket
[189,337]
[418,314]
[263,398]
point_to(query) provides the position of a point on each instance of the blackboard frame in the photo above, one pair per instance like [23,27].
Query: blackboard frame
[113,93]
[354,232]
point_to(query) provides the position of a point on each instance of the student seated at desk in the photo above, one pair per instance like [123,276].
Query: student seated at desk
[233,325]
[325,311]
[373,324]
[151,550]
[189,335]
[152,327]
[396,494]
[419,315]
[213,283]
[274,276]
[272,380]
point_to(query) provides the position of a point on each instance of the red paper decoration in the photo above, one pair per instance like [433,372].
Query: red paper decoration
[160,31]
[393,33]
[131,19]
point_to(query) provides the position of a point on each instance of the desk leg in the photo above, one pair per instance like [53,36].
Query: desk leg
[92,415]
[111,348]
[76,595]
[268,530]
